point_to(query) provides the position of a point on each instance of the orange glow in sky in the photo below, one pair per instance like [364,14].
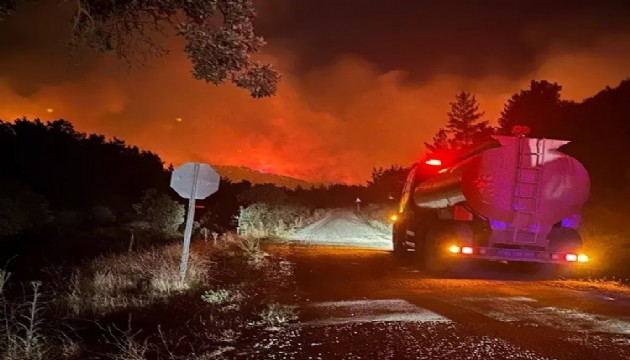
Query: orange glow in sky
[333,122]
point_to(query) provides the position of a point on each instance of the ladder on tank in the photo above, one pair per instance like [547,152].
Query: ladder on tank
[526,190]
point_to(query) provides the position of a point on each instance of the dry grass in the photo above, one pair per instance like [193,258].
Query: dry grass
[276,314]
[4,278]
[25,335]
[131,280]
[224,299]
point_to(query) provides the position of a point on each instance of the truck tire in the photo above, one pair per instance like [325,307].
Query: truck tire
[440,235]
[398,242]
[564,240]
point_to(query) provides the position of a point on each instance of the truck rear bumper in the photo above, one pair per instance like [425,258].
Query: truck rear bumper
[501,254]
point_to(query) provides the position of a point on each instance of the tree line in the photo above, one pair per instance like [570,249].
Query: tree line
[597,128]
[53,177]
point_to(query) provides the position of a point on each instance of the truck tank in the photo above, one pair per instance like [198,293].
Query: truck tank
[519,181]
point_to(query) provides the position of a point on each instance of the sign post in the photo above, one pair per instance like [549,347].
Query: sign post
[358,201]
[192,181]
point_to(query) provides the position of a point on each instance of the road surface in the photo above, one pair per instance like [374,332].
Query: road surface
[362,304]
[343,227]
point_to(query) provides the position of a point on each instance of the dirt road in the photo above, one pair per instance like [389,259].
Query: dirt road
[343,227]
[362,304]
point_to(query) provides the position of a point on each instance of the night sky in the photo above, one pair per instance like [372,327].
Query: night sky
[365,83]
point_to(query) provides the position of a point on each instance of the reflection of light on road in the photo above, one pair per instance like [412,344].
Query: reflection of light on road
[513,309]
[342,227]
[366,311]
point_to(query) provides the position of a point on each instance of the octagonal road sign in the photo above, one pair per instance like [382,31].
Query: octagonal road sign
[197,177]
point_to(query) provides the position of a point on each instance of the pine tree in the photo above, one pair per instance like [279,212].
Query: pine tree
[440,141]
[463,121]
[464,128]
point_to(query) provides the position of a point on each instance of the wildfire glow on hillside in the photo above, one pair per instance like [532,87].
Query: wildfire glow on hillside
[356,106]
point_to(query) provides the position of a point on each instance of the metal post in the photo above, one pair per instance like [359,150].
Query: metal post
[183,266]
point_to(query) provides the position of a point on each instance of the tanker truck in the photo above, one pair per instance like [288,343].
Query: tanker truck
[514,199]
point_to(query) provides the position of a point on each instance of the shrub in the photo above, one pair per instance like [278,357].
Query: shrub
[250,247]
[377,216]
[102,215]
[162,213]
[264,220]
[67,218]
[21,209]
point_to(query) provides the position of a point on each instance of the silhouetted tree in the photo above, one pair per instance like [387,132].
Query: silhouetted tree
[219,35]
[440,142]
[464,126]
[76,171]
[599,129]
[264,193]
[386,182]
[539,108]
[463,130]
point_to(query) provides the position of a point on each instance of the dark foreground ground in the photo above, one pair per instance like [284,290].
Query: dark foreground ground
[362,304]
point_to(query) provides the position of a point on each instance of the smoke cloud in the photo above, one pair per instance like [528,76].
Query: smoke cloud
[336,115]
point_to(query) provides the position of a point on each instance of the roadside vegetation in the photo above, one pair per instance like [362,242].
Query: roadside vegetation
[91,239]
[133,305]
[261,220]
[607,238]
[378,216]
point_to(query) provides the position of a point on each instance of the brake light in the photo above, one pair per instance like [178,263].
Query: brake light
[571,257]
[467,250]
[434,162]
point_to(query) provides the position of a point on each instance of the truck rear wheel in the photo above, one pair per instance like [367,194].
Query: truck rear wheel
[564,240]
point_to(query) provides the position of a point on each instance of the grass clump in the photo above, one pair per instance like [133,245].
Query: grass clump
[224,299]
[131,280]
[276,314]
